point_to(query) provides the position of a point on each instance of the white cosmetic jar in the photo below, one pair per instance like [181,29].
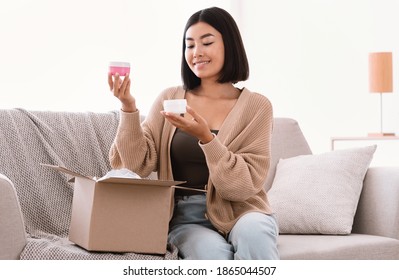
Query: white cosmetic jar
[177,106]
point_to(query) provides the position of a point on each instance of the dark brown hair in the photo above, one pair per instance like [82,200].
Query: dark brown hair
[235,68]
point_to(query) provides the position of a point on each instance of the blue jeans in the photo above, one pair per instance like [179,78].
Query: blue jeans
[254,236]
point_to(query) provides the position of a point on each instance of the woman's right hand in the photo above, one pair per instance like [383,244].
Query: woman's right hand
[121,90]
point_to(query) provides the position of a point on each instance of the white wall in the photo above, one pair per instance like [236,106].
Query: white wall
[54,55]
[310,57]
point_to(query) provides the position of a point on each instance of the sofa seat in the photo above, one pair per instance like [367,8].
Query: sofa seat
[337,247]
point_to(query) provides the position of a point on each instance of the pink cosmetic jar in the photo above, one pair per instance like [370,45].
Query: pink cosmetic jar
[122,68]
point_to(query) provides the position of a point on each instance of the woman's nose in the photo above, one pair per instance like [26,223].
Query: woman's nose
[198,52]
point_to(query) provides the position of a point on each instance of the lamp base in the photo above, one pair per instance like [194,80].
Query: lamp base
[381,134]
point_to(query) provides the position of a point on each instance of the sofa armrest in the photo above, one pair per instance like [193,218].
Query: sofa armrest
[12,230]
[378,208]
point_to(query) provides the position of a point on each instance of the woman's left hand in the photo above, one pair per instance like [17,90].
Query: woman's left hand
[197,126]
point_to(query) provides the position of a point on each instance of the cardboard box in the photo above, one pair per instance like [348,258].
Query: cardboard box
[120,214]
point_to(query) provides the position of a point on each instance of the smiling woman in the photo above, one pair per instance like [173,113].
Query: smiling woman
[220,146]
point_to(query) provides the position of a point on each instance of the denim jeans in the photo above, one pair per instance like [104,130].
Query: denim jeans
[254,236]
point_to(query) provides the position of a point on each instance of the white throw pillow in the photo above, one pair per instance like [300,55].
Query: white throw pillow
[318,194]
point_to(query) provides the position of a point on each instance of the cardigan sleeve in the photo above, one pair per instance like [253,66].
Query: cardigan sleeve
[238,169]
[133,148]
[137,146]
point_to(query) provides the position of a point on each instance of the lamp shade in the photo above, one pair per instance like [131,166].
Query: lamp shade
[380,72]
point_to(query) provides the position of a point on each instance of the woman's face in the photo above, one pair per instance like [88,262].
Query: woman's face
[204,51]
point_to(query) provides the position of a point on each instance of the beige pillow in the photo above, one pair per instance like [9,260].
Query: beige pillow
[318,194]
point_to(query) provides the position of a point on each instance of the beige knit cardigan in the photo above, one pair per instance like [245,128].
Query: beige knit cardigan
[238,158]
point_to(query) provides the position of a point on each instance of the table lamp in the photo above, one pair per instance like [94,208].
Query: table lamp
[380,80]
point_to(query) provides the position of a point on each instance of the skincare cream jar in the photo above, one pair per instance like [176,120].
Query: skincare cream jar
[177,106]
[122,68]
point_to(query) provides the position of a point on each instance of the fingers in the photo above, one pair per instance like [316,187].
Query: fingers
[172,117]
[124,85]
[181,121]
[198,129]
[113,81]
[118,86]
[176,120]
[185,123]
[195,115]
[110,81]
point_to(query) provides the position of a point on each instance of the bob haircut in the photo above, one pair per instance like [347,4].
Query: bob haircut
[235,68]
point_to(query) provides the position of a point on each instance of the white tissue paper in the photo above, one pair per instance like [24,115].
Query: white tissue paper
[120,173]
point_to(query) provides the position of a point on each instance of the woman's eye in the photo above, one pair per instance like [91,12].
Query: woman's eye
[190,46]
[207,44]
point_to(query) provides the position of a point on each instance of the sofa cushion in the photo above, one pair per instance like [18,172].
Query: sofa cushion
[337,247]
[318,194]
[378,209]
[287,141]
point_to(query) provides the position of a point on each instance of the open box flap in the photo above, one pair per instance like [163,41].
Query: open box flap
[120,180]
[151,182]
[65,170]
[135,181]
[115,180]
[190,189]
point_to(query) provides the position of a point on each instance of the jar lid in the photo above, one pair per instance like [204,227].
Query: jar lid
[119,64]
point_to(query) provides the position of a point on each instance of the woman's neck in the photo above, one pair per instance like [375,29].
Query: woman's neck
[217,90]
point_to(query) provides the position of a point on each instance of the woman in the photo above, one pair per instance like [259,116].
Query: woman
[221,145]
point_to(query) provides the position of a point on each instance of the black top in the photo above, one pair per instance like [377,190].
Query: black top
[188,162]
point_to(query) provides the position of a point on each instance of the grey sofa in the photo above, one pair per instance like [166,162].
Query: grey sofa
[35,202]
